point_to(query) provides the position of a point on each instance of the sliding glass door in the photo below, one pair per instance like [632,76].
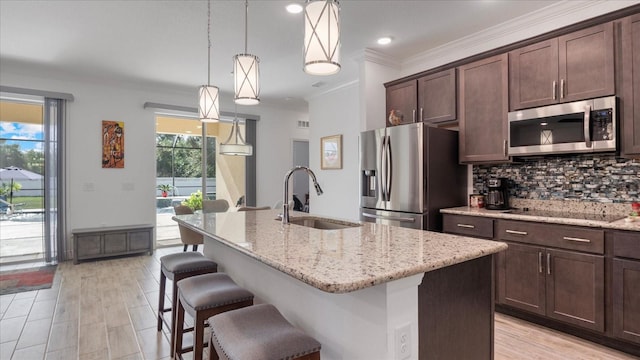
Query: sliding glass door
[30,186]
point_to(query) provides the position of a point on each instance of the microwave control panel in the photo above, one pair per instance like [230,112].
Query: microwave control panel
[602,125]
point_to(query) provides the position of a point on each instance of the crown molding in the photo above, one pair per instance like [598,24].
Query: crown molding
[377,57]
[547,19]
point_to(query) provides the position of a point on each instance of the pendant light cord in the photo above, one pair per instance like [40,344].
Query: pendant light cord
[246,23]
[209,43]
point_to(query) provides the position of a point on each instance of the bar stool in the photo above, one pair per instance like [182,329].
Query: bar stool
[176,267]
[202,297]
[259,332]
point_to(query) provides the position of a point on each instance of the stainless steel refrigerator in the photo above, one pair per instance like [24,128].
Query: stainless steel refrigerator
[408,173]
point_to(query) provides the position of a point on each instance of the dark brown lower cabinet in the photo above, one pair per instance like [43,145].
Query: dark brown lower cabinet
[455,315]
[521,279]
[563,285]
[626,299]
[575,288]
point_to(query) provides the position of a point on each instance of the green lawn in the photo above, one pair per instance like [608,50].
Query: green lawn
[30,202]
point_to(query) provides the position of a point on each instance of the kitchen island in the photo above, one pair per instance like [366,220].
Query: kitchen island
[368,291]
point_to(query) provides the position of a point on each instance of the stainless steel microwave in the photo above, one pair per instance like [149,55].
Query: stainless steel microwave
[575,127]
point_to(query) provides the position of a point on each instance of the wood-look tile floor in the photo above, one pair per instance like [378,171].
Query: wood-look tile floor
[107,310]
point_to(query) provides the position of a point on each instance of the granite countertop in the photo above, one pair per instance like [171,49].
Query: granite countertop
[559,215]
[338,261]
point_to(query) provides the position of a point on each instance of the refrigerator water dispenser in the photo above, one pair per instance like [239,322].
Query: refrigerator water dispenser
[369,183]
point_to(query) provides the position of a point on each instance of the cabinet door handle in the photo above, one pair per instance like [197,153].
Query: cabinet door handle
[414,115]
[548,264]
[554,88]
[576,239]
[515,232]
[540,262]
[561,88]
[466,226]
[421,114]
[504,148]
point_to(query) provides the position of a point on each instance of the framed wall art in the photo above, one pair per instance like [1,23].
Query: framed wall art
[112,144]
[331,152]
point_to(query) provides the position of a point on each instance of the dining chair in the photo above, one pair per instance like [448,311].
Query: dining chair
[212,206]
[188,236]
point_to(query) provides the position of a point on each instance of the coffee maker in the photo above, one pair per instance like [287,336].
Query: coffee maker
[497,194]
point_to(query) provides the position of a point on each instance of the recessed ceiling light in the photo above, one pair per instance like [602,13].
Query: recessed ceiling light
[294,8]
[385,40]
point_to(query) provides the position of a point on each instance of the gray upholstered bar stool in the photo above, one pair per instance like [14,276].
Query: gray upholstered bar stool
[202,297]
[176,267]
[259,332]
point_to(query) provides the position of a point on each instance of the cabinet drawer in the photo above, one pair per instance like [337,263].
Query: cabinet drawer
[468,225]
[520,231]
[558,236]
[576,238]
[626,245]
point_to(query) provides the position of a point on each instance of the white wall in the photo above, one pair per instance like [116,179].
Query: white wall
[336,112]
[375,70]
[276,129]
[116,197]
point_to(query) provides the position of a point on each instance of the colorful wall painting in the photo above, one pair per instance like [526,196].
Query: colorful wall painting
[112,144]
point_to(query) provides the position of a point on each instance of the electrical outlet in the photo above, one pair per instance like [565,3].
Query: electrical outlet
[403,342]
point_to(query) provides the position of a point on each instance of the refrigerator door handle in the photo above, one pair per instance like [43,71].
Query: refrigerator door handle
[393,218]
[382,176]
[389,169]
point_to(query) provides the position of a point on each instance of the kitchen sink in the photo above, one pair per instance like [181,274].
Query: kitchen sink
[323,224]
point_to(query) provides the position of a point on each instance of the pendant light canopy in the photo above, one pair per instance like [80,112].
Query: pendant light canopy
[246,72]
[238,146]
[322,37]
[208,101]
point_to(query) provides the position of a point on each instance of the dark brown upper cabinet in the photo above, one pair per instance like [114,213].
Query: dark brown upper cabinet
[402,99]
[430,98]
[437,97]
[571,67]
[482,110]
[630,80]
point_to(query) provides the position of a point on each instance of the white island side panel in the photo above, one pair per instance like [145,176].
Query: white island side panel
[350,326]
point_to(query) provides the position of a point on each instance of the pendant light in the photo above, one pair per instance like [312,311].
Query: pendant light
[208,101]
[322,37]
[238,146]
[246,72]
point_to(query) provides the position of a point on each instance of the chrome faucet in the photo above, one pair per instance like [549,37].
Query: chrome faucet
[285,202]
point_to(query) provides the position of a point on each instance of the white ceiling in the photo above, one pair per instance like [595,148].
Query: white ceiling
[165,41]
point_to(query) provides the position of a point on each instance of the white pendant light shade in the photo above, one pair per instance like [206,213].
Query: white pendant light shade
[322,37]
[208,108]
[246,73]
[236,149]
[238,146]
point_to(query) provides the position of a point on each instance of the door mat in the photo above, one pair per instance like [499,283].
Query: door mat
[15,281]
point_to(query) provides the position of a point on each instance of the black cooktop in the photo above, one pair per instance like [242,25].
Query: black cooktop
[566,215]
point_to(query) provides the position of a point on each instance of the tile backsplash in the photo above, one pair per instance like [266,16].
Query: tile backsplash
[595,178]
